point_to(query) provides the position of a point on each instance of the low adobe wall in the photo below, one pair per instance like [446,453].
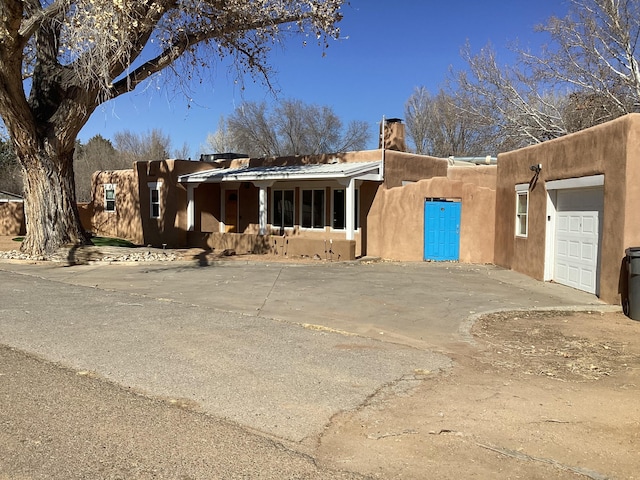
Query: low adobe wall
[396,219]
[12,218]
[287,246]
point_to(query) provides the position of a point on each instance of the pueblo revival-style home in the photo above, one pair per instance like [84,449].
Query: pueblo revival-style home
[334,206]
[564,210]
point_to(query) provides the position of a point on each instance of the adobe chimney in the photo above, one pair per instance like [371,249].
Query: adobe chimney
[392,137]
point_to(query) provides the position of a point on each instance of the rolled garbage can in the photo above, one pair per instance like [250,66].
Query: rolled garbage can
[633,282]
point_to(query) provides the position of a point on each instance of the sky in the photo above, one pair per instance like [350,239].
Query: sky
[386,49]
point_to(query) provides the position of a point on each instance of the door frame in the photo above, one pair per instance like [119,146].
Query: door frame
[224,192]
[442,202]
[552,188]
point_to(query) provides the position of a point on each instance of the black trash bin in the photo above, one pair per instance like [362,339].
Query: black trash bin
[633,282]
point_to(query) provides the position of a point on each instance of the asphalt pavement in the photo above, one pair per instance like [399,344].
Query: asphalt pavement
[273,347]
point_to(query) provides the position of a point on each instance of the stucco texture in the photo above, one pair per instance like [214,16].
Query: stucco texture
[612,150]
[124,222]
[396,219]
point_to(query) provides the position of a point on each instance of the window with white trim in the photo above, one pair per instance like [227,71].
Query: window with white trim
[522,213]
[283,208]
[339,209]
[313,209]
[109,197]
[154,199]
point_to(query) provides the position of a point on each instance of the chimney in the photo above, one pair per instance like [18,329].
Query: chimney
[393,137]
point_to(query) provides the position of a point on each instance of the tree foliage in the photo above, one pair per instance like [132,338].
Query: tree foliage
[60,59]
[291,127]
[100,153]
[10,175]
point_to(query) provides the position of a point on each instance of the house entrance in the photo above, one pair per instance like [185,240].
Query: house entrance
[231,211]
[441,229]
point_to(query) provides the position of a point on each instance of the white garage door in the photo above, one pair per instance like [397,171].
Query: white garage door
[576,241]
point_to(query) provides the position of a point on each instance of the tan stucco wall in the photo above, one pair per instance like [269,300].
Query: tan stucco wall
[610,149]
[396,219]
[125,221]
[171,228]
[285,246]
[12,218]
[402,167]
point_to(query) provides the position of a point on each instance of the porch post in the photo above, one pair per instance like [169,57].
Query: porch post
[350,206]
[191,207]
[262,206]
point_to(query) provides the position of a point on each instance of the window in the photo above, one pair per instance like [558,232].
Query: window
[313,209]
[109,197]
[154,199]
[283,214]
[339,218]
[522,213]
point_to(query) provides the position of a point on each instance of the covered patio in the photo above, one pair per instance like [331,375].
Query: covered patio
[313,203]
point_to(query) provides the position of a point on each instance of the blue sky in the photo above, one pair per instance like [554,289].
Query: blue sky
[387,48]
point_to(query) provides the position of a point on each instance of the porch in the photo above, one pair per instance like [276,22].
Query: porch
[314,210]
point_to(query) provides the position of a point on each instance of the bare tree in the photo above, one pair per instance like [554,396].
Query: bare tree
[137,147]
[417,112]
[511,99]
[220,141]
[587,74]
[594,51]
[443,125]
[182,153]
[251,130]
[60,59]
[291,128]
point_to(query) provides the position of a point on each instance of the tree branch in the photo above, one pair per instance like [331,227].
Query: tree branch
[187,41]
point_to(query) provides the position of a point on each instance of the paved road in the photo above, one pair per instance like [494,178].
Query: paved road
[56,424]
[276,348]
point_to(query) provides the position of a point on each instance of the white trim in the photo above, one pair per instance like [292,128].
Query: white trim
[578,182]
[550,235]
[322,188]
[108,187]
[319,171]
[273,208]
[526,214]
[522,187]
[356,200]
[350,209]
[191,208]
[155,186]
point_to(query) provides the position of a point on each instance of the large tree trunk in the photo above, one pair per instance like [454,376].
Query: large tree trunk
[52,214]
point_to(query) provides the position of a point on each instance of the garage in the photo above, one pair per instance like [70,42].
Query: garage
[576,243]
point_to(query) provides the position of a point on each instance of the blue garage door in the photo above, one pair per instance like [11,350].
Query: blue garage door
[441,230]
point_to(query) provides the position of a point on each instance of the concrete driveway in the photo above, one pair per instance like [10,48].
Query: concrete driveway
[279,348]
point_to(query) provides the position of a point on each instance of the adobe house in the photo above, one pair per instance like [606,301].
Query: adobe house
[567,209]
[337,206]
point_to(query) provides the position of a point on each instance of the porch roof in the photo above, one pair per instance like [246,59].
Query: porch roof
[271,173]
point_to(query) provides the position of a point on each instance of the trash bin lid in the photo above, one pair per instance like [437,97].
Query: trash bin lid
[632,252]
